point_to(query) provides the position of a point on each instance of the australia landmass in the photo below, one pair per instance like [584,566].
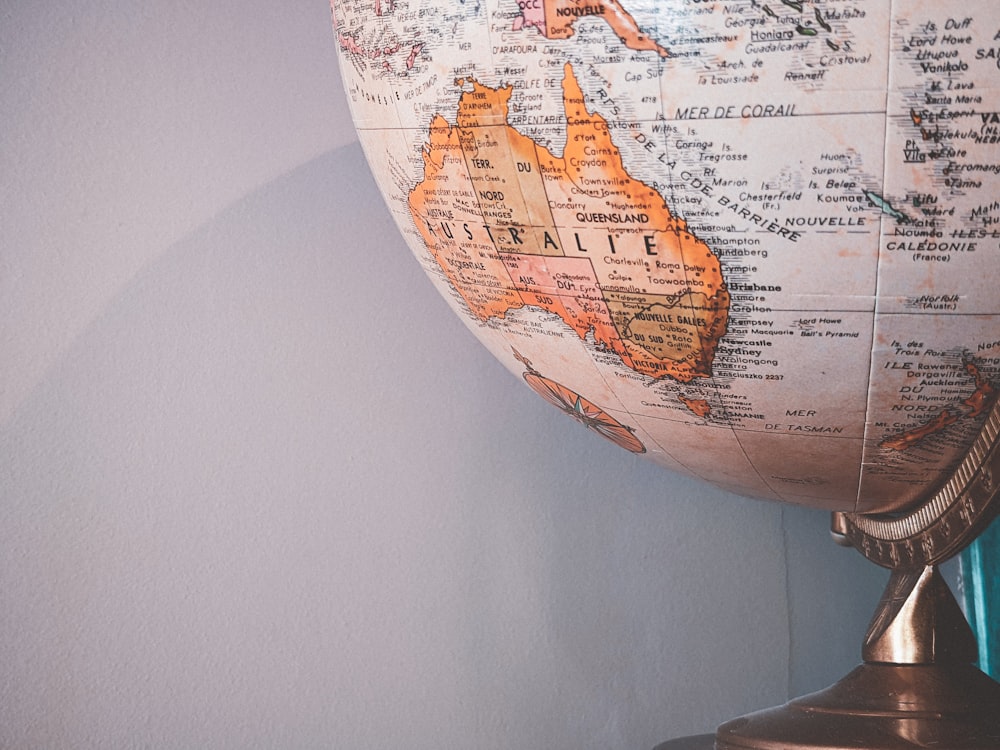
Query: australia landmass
[980,400]
[512,224]
[555,19]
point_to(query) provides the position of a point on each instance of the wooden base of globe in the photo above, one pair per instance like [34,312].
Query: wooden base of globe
[880,707]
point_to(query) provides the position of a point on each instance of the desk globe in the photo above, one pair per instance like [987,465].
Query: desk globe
[756,241]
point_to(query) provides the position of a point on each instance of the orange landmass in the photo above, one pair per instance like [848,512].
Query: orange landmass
[559,16]
[980,400]
[984,394]
[512,224]
[906,440]
[450,220]
[698,406]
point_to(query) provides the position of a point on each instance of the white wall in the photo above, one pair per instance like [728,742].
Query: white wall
[251,499]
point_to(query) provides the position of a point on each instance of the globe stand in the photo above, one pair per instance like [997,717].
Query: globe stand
[917,687]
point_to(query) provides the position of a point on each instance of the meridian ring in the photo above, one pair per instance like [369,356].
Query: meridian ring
[942,525]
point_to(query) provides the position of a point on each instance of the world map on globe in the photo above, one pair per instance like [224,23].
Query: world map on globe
[756,242]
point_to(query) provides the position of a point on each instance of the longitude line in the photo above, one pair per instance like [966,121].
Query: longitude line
[878,251]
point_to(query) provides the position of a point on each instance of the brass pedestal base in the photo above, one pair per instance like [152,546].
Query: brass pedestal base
[875,707]
[917,687]
[880,707]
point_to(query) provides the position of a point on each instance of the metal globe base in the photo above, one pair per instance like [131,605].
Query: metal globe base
[918,687]
[880,707]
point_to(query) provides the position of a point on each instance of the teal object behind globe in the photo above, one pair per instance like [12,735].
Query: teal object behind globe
[979,566]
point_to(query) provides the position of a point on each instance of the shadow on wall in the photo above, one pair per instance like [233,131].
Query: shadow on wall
[276,496]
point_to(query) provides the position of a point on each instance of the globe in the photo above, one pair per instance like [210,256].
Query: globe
[754,241]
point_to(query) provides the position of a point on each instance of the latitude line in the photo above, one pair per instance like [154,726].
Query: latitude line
[562,122]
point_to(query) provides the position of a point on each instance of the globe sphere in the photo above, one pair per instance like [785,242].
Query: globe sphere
[757,242]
